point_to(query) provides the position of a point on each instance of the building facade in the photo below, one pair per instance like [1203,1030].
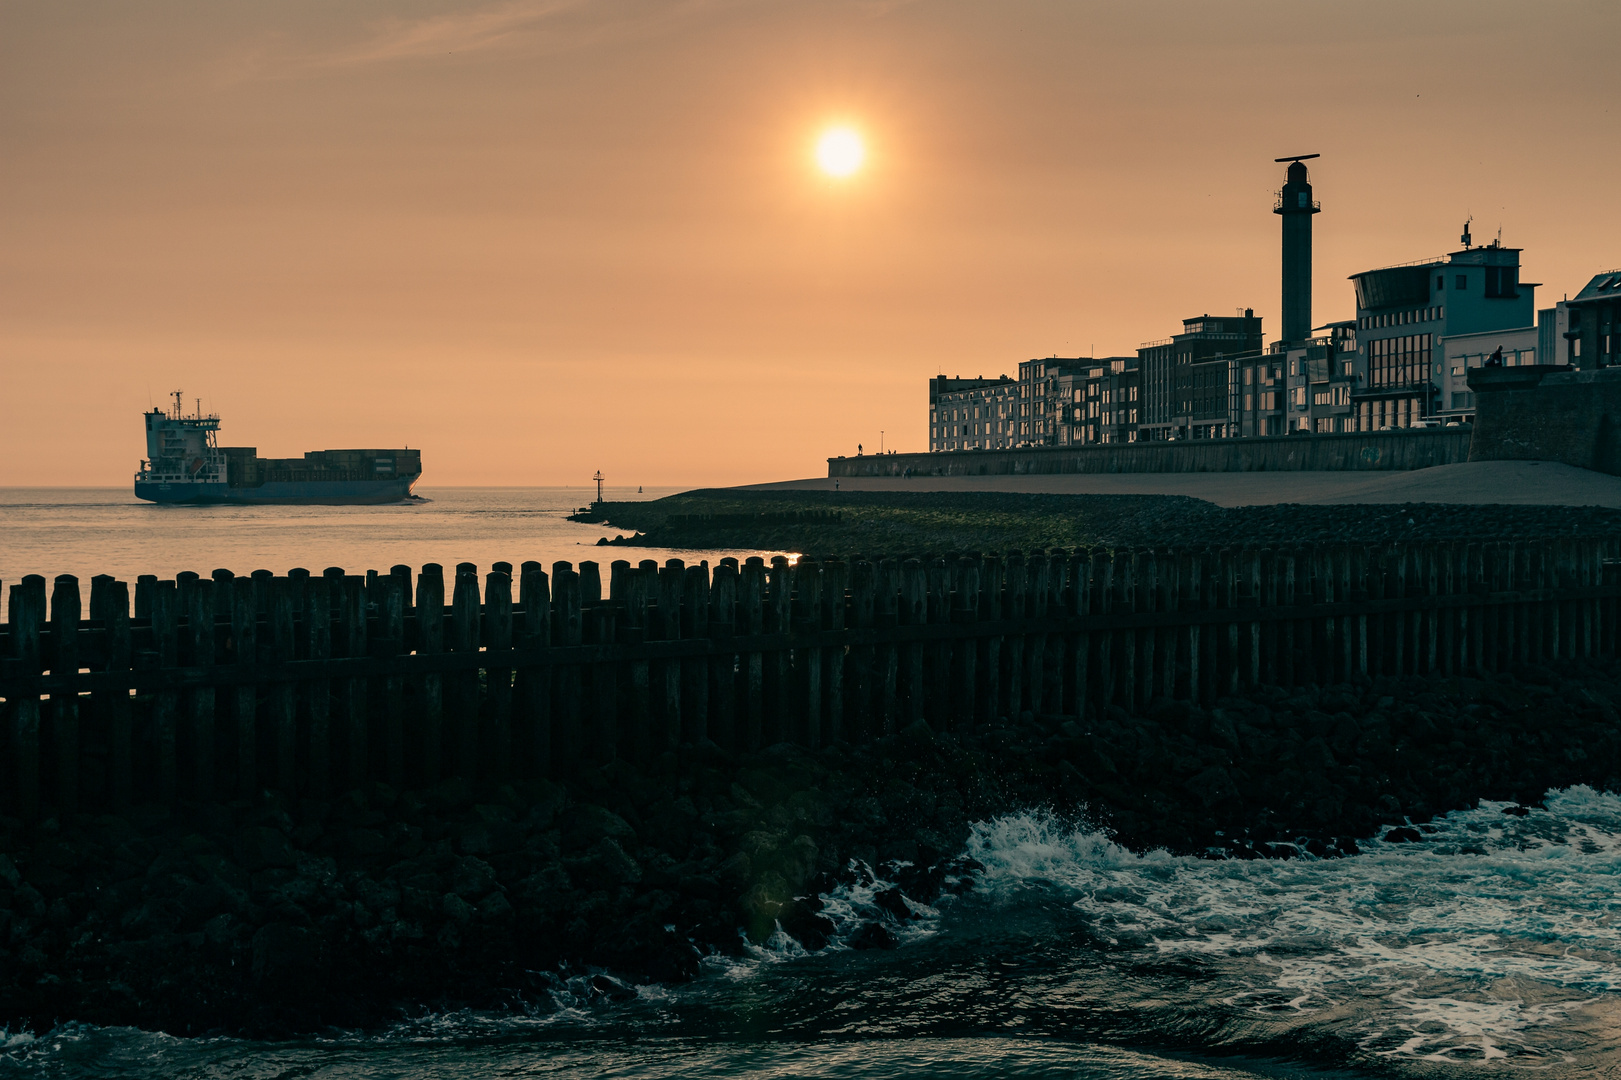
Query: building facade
[1593,333]
[1188,382]
[972,414]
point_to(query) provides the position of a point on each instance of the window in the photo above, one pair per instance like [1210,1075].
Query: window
[1440,282]
[1249,378]
[1322,397]
[1134,419]
[1342,395]
[1500,282]
[1463,282]
[1298,396]
[1249,402]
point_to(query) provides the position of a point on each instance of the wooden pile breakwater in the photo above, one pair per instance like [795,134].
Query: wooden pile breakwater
[217,688]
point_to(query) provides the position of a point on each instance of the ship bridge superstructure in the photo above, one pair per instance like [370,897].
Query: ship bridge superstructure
[181,448]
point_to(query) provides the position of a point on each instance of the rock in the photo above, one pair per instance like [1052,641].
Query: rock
[1403,835]
[284,956]
[585,824]
[457,910]
[873,936]
[495,908]
[606,864]
[472,877]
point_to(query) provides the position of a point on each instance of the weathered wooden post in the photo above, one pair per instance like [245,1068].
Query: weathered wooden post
[886,656]
[356,740]
[695,669]
[464,641]
[1100,685]
[390,593]
[964,668]
[532,738]
[602,736]
[144,586]
[751,623]
[428,742]
[1290,599]
[65,612]
[1077,649]
[636,738]
[165,617]
[245,639]
[1035,641]
[27,616]
[318,691]
[119,657]
[1125,637]
[988,648]
[281,697]
[913,611]
[590,583]
[859,692]
[807,623]
[937,655]
[568,631]
[1013,644]
[723,667]
[200,634]
[497,742]
[835,587]
[666,674]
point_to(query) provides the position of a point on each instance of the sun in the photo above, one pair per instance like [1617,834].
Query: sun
[840,152]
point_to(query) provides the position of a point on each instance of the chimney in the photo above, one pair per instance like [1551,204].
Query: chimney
[1296,207]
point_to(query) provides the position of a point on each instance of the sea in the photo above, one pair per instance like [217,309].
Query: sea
[1491,948]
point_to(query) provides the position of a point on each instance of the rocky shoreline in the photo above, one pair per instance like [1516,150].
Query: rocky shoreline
[269,919]
[897,523]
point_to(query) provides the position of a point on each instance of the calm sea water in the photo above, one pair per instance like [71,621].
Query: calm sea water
[89,531]
[1491,949]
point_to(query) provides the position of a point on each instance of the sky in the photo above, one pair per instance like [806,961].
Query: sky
[538,238]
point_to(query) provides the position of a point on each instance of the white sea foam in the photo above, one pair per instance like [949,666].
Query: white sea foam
[1468,946]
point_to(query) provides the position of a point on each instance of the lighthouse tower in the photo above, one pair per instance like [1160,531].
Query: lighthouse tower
[1296,206]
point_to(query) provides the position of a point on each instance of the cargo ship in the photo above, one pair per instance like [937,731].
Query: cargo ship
[184,464]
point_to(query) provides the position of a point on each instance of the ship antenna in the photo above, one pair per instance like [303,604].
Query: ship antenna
[177,406]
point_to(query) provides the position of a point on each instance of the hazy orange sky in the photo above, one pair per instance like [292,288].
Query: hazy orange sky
[540,238]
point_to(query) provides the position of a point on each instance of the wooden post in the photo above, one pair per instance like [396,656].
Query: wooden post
[1016,600]
[751,620]
[1035,641]
[532,739]
[318,691]
[390,596]
[496,745]
[965,612]
[807,620]
[1077,651]
[65,612]
[27,616]
[988,654]
[618,580]
[281,698]
[695,669]
[1101,689]
[886,657]
[567,631]
[114,616]
[464,639]
[601,735]
[245,639]
[723,669]
[637,584]
[356,741]
[590,583]
[859,692]
[200,635]
[165,616]
[1290,598]
[666,675]
[145,584]
[913,611]
[1054,643]
[835,583]
[1125,644]
[428,743]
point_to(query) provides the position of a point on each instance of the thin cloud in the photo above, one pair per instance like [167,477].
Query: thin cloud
[460,32]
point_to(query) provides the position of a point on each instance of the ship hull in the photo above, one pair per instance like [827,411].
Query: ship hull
[279,493]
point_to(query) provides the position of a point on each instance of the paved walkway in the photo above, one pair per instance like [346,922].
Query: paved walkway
[1538,483]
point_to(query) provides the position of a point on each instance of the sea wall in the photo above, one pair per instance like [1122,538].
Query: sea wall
[1375,450]
[1548,413]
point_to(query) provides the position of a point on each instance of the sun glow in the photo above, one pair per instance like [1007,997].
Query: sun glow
[840,151]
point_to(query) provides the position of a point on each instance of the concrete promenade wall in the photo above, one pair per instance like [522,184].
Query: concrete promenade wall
[1548,414]
[1362,451]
